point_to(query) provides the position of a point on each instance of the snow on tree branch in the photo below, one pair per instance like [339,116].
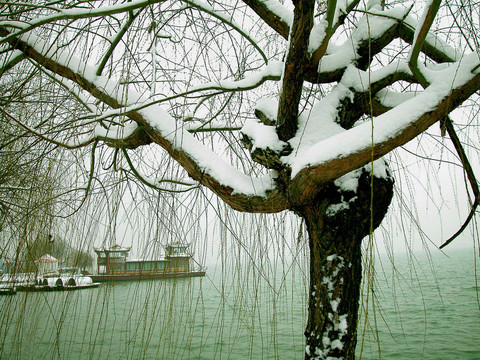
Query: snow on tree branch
[150,101]
[201,163]
[324,161]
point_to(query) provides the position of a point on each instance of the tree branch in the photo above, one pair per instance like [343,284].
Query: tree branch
[73,14]
[272,19]
[273,201]
[116,40]
[419,40]
[309,180]
[366,48]
[470,175]
[407,32]
[295,64]
[209,10]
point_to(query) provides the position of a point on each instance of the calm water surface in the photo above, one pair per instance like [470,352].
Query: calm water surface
[246,314]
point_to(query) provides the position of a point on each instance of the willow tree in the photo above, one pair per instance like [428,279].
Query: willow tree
[29,190]
[271,106]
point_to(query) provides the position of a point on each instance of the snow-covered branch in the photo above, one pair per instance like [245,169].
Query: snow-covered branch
[132,112]
[270,72]
[275,14]
[70,14]
[242,192]
[323,161]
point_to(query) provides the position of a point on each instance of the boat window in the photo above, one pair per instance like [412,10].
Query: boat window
[133,266]
[117,254]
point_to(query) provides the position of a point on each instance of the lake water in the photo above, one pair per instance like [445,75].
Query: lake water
[248,313]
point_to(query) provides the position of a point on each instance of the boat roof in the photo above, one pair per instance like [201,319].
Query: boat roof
[115,247]
[47,257]
[177,244]
[146,260]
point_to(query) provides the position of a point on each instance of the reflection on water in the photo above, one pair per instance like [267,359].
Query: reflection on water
[243,315]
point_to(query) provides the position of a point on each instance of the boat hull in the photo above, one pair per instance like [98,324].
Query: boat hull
[7,290]
[32,288]
[129,277]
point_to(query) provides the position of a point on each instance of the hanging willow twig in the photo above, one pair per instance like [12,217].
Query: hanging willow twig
[470,175]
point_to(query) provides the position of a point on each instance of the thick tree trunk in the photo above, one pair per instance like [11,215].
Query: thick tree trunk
[336,227]
[335,277]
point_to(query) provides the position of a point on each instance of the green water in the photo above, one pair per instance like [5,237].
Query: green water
[248,314]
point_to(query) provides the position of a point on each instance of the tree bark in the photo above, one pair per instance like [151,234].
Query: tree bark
[336,225]
[293,76]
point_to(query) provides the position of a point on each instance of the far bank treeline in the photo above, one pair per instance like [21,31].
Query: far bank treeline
[55,246]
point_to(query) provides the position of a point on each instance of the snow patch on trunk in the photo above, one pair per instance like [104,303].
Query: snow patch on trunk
[332,337]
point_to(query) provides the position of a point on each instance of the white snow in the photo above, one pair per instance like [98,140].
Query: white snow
[386,126]
[334,304]
[349,181]
[317,124]
[280,10]
[337,344]
[116,132]
[262,136]
[273,70]
[331,257]
[335,208]
[342,324]
[359,80]
[268,106]
[379,168]
[206,159]
[317,34]
[343,55]
[392,98]
[159,119]
[326,341]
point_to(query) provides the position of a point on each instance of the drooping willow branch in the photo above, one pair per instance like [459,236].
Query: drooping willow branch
[116,41]
[153,186]
[470,175]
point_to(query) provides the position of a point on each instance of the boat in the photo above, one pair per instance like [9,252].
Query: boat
[64,282]
[113,264]
[7,289]
[56,283]
[50,281]
[47,277]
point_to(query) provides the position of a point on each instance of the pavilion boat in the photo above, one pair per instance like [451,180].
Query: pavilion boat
[113,264]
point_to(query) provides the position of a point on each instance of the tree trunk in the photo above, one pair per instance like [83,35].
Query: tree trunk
[336,225]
